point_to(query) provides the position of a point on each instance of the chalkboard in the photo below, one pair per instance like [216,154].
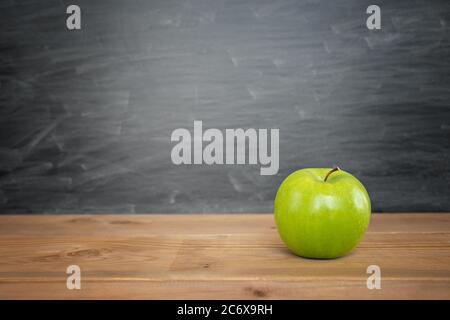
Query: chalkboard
[86,116]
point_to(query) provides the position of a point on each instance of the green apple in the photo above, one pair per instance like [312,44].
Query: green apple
[321,213]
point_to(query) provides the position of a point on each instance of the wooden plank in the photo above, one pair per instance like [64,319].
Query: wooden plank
[215,256]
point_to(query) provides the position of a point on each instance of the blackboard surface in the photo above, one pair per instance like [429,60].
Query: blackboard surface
[86,116]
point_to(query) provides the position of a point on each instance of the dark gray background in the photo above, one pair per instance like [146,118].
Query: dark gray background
[86,116]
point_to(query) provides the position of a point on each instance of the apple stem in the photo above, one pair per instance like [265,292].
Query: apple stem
[330,172]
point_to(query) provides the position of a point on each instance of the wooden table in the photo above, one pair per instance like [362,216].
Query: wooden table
[235,256]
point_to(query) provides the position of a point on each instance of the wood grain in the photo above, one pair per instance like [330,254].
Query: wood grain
[215,257]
